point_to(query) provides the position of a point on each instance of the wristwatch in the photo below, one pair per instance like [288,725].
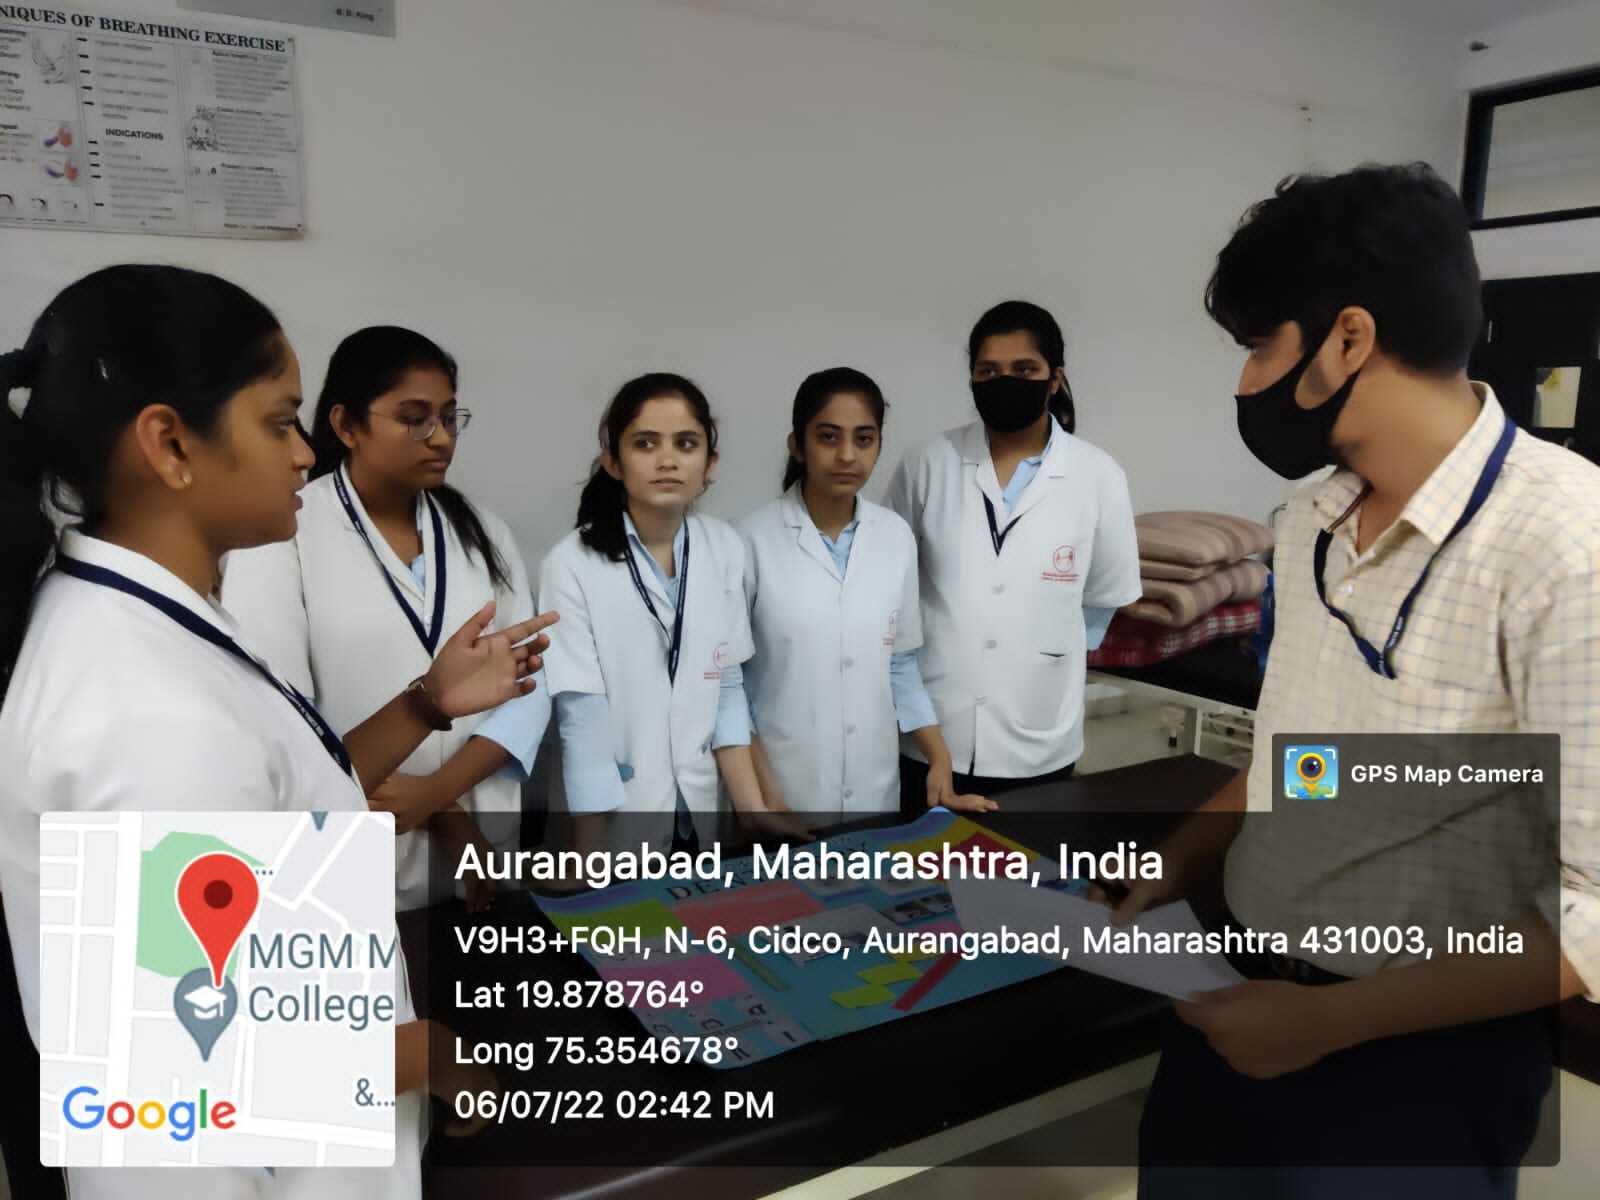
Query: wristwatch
[424,705]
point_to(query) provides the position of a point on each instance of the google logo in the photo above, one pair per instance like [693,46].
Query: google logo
[185,1116]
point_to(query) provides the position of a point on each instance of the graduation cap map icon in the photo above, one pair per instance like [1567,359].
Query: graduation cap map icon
[217,895]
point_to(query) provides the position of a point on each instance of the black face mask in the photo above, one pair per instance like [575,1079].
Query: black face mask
[1008,404]
[1291,440]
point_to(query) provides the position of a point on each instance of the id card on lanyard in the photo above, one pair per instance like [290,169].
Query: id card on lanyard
[675,634]
[1382,661]
[203,629]
[429,635]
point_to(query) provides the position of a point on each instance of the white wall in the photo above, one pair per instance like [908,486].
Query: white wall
[565,193]
[1529,48]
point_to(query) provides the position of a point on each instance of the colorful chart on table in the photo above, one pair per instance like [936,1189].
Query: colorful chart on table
[772,1002]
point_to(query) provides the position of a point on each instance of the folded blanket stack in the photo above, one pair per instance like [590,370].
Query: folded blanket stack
[1133,643]
[1200,583]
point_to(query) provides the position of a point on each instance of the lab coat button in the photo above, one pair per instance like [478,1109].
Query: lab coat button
[998,588]
[849,728]
[849,662]
[848,793]
[990,644]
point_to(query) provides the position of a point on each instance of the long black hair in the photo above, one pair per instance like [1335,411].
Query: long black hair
[604,498]
[815,392]
[1019,316]
[109,346]
[367,364]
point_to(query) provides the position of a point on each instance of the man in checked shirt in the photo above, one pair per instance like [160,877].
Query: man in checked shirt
[1357,299]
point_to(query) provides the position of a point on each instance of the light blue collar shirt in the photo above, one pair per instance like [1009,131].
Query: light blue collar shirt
[1028,470]
[669,584]
[839,548]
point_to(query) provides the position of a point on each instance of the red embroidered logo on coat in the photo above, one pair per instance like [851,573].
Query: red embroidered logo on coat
[1063,566]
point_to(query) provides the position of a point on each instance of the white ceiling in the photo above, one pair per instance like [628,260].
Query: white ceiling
[1454,16]
[1447,18]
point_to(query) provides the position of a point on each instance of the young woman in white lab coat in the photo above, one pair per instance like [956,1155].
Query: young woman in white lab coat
[831,581]
[1026,547]
[387,556]
[162,411]
[646,678]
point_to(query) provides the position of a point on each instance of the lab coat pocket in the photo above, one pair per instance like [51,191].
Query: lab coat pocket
[1042,685]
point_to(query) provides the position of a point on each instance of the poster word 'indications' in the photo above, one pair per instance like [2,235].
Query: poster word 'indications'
[143,125]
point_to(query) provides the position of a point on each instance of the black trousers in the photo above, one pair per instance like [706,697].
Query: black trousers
[19,1104]
[914,784]
[1446,1114]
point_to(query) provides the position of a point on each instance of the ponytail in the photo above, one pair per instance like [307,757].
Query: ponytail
[26,533]
[600,510]
[469,528]
[605,499]
[1061,407]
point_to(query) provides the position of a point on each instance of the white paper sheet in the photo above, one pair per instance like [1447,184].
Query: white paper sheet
[987,905]
[852,922]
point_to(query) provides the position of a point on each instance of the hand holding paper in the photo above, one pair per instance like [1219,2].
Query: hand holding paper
[1266,1027]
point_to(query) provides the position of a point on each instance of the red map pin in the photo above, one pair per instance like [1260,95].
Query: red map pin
[217,895]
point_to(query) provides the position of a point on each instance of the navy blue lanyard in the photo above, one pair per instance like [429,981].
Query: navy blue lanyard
[996,534]
[202,628]
[429,637]
[675,637]
[1382,662]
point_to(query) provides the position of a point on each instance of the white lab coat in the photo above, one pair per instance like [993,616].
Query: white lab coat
[115,707]
[611,645]
[318,609]
[819,681]
[1004,649]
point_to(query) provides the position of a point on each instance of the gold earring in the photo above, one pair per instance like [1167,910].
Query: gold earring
[185,479]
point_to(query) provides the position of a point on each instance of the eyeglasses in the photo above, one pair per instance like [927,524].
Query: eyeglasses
[422,428]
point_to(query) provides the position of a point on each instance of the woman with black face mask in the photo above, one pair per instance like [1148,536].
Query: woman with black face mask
[1026,547]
